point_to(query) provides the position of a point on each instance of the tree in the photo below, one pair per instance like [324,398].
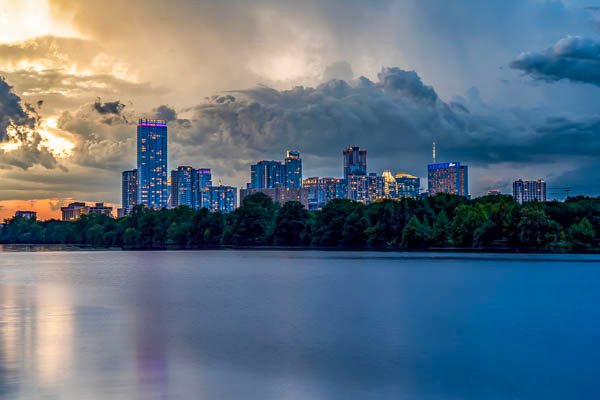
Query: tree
[416,235]
[536,229]
[582,235]
[252,223]
[290,224]
[467,220]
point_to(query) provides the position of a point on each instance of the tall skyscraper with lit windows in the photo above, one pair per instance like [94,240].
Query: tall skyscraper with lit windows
[355,162]
[293,169]
[152,176]
[451,178]
[183,187]
[129,189]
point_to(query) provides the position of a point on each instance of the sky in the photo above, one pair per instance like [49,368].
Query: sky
[508,87]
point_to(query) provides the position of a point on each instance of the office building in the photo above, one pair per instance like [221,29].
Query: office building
[450,178]
[526,191]
[74,211]
[100,208]
[222,198]
[293,170]
[153,190]
[26,214]
[128,191]
[267,174]
[203,181]
[184,187]
[407,185]
[355,162]
[317,192]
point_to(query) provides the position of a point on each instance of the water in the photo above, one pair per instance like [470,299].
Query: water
[298,325]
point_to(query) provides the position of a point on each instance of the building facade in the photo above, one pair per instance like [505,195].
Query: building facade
[450,178]
[184,191]
[222,198]
[153,190]
[526,191]
[407,185]
[26,214]
[203,181]
[74,211]
[355,162]
[293,170]
[267,174]
[100,208]
[129,189]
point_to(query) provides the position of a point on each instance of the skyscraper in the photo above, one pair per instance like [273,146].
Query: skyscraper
[152,163]
[526,191]
[355,162]
[129,189]
[451,178]
[203,182]
[293,169]
[183,188]
[408,185]
[267,175]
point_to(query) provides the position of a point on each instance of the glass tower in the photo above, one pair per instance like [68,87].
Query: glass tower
[451,178]
[293,169]
[355,162]
[183,189]
[129,190]
[153,189]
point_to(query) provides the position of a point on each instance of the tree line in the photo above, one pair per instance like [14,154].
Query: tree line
[441,221]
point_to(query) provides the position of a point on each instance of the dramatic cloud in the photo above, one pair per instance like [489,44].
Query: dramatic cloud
[165,112]
[338,70]
[110,107]
[12,112]
[572,58]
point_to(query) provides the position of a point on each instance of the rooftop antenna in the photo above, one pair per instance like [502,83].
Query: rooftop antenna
[433,151]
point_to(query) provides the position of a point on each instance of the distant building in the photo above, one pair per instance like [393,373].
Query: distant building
[450,178]
[203,181]
[358,188]
[278,194]
[184,190]
[26,214]
[100,208]
[129,189]
[526,191]
[293,170]
[222,198]
[267,174]
[494,192]
[74,211]
[153,190]
[317,192]
[408,185]
[355,162]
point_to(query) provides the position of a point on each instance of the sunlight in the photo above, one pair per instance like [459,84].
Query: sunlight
[25,19]
[57,141]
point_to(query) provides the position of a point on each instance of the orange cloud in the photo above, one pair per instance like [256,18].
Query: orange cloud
[45,208]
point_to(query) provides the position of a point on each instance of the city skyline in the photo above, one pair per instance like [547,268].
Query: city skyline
[236,87]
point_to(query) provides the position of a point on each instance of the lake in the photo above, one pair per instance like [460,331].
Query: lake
[298,325]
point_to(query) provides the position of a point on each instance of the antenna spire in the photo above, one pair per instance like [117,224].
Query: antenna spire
[433,151]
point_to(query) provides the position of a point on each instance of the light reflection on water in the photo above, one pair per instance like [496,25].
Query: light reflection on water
[272,325]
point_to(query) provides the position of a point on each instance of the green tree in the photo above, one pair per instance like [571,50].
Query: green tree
[290,224]
[416,234]
[582,235]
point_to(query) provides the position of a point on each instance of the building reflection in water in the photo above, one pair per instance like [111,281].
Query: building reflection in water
[150,334]
[36,336]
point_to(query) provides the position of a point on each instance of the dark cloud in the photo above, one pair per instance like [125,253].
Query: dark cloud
[395,118]
[165,112]
[573,58]
[109,107]
[12,111]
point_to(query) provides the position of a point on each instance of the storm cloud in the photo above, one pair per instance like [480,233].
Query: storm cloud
[572,58]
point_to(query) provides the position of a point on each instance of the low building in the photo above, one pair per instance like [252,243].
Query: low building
[526,191]
[100,208]
[74,211]
[26,214]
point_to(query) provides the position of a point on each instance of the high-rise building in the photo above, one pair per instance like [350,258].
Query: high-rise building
[203,182]
[526,191]
[407,185]
[26,214]
[184,187]
[129,189]
[355,162]
[293,169]
[358,188]
[100,208]
[152,176]
[267,174]
[451,178]
[223,198]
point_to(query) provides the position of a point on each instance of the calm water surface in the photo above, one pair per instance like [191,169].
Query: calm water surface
[298,325]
